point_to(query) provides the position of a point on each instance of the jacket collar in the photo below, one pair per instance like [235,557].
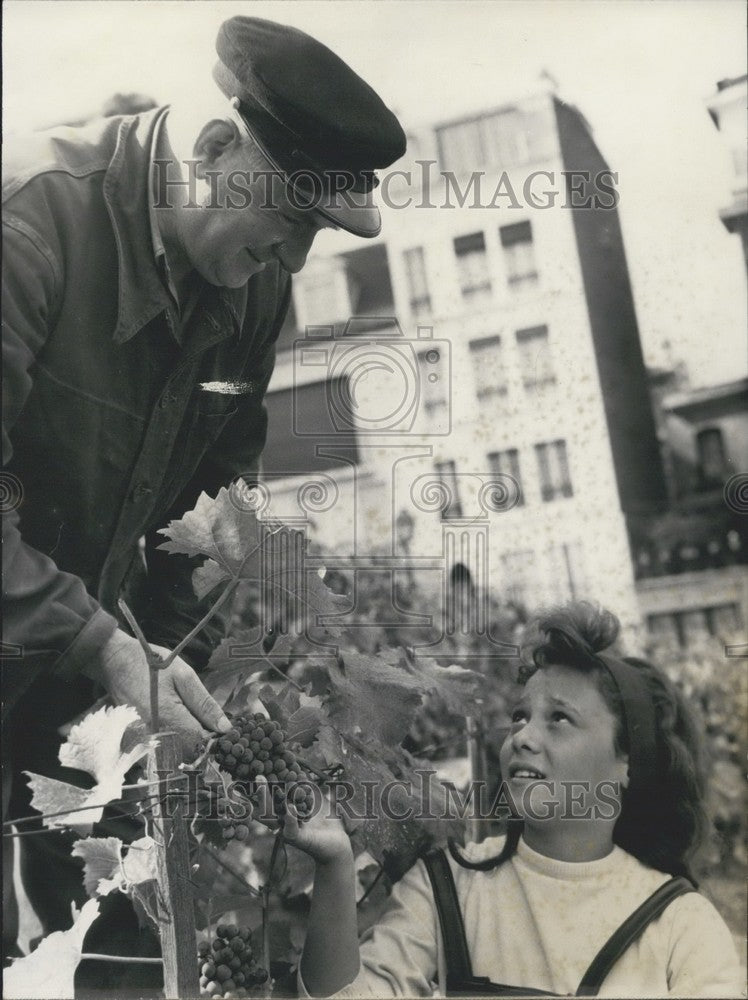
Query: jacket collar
[142,293]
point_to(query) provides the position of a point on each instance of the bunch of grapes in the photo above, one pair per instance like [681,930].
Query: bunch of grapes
[257,746]
[227,965]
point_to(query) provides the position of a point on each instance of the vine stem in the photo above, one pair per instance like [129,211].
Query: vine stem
[123,959]
[231,870]
[266,889]
[73,810]
[155,661]
[138,786]
[228,592]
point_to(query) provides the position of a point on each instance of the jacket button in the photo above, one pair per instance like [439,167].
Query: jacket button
[166,400]
[140,492]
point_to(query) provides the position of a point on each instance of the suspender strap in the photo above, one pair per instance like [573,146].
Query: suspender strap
[631,929]
[459,966]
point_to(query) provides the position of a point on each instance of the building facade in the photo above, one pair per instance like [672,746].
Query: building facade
[468,390]
[727,109]
[690,559]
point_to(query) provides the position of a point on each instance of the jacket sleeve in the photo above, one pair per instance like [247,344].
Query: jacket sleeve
[50,621]
[401,954]
[171,609]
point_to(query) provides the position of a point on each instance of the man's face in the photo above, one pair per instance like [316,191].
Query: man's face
[244,220]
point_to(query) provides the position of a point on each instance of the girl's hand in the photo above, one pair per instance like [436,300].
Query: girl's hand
[322,836]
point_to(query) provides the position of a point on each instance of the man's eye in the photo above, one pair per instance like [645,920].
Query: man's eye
[519,715]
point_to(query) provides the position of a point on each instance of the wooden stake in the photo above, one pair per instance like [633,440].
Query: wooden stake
[175,909]
[478,770]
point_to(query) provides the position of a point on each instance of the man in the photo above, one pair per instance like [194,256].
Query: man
[147,263]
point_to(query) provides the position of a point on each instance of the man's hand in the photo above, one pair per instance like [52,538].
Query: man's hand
[183,703]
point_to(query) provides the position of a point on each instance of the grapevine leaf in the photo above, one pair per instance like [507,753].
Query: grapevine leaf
[297,594]
[207,577]
[368,690]
[384,691]
[101,857]
[305,722]
[48,973]
[239,655]
[51,798]
[216,528]
[393,825]
[457,687]
[299,713]
[137,866]
[105,868]
[94,746]
[281,702]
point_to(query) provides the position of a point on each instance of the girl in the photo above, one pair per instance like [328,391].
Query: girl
[603,766]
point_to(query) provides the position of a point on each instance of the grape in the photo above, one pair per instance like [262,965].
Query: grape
[239,971]
[256,746]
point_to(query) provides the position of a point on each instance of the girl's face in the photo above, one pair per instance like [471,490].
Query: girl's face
[559,760]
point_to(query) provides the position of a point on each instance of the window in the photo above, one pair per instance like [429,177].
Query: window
[460,147]
[535,357]
[418,289]
[448,476]
[506,463]
[488,368]
[553,470]
[712,465]
[565,577]
[503,138]
[472,266]
[519,255]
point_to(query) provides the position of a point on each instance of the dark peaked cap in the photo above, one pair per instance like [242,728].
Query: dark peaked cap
[316,121]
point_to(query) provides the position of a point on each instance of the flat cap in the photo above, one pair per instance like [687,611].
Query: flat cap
[316,121]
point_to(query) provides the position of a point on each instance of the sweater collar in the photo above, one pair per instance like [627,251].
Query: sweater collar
[553,868]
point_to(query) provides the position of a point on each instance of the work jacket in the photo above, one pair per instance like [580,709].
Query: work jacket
[111,424]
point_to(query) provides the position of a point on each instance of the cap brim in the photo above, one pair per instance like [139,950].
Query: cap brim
[353,211]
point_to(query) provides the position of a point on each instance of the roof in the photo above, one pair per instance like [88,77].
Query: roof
[688,403]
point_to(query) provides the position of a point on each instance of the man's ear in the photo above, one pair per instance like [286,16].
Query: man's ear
[623,762]
[215,138]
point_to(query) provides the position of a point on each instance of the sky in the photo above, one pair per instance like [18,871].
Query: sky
[641,71]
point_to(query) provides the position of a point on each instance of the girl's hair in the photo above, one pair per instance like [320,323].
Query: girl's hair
[665,827]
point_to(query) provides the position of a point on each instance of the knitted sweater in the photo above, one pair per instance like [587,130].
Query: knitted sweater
[537,922]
